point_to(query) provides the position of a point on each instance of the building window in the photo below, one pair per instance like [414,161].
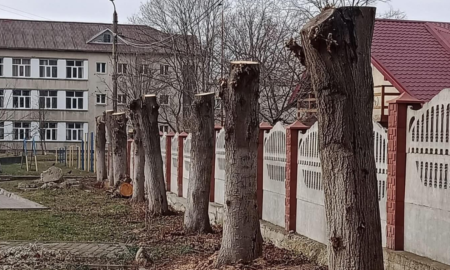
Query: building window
[101,99]
[122,68]
[121,99]
[74,131]
[164,100]
[101,68]
[48,99]
[164,128]
[2,130]
[107,38]
[164,69]
[21,99]
[48,68]
[74,100]
[1,67]
[49,131]
[74,69]
[21,130]
[144,69]
[21,67]
[2,98]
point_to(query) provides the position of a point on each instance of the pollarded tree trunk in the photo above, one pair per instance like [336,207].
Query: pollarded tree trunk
[139,161]
[196,217]
[119,138]
[242,239]
[100,144]
[147,111]
[110,148]
[337,47]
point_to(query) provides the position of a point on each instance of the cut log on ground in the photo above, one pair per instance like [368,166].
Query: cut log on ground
[147,111]
[119,135]
[242,240]
[196,216]
[110,167]
[126,190]
[337,46]
[100,144]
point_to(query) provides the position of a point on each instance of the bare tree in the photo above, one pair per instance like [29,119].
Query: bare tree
[100,145]
[242,240]
[196,218]
[337,45]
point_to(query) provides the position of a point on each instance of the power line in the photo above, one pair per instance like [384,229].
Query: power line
[17,14]
[199,19]
[23,12]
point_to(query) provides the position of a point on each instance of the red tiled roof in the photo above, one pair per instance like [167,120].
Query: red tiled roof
[413,55]
[72,36]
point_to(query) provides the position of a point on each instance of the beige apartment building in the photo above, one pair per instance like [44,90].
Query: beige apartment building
[55,77]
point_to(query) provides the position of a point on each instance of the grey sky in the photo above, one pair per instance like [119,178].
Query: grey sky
[101,10]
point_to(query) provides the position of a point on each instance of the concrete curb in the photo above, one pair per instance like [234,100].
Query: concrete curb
[33,205]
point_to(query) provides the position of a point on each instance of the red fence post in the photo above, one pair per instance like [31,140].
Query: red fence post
[181,138]
[168,160]
[291,173]
[263,127]
[395,205]
[217,129]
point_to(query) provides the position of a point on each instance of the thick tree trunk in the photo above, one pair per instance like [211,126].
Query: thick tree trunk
[108,122]
[242,239]
[119,138]
[139,161]
[147,111]
[196,217]
[337,47]
[100,144]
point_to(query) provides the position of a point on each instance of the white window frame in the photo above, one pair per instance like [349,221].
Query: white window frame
[101,99]
[165,98]
[48,70]
[164,69]
[48,99]
[21,98]
[21,130]
[100,67]
[21,69]
[74,130]
[104,38]
[144,69]
[1,67]
[2,130]
[2,98]
[50,131]
[121,99]
[164,128]
[74,99]
[122,68]
[75,69]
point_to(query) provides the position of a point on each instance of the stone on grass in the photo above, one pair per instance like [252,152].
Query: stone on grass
[53,174]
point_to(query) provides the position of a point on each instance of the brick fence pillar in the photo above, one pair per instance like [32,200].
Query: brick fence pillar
[168,167]
[395,205]
[263,127]
[292,132]
[181,138]
[217,129]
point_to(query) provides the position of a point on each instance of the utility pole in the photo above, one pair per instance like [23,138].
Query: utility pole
[221,69]
[114,60]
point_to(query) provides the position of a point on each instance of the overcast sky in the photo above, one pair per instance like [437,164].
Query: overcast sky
[101,10]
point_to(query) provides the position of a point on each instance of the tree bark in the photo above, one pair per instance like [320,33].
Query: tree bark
[337,47]
[196,217]
[119,138]
[100,144]
[138,175]
[108,123]
[242,239]
[147,111]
